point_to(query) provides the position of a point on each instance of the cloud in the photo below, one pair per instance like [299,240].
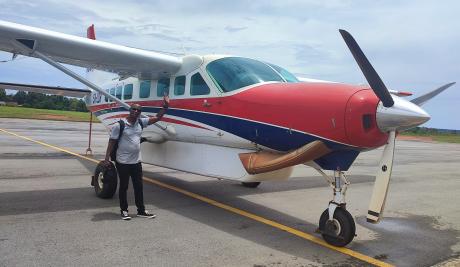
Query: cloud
[234,29]
[411,44]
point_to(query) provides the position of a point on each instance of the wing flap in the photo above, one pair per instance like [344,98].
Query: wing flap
[64,91]
[84,52]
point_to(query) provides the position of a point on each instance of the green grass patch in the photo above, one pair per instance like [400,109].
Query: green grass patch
[438,137]
[451,138]
[44,114]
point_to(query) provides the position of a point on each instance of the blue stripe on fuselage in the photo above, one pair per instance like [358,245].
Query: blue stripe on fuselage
[276,138]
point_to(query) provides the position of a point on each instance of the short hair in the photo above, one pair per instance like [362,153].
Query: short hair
[136,106]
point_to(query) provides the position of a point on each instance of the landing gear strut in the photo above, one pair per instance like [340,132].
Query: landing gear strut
[336,224]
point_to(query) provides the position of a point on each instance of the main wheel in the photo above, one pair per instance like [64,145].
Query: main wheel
[250,184]
[105,180]
[341,230]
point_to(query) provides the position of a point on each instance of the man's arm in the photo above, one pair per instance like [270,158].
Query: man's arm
[162,111]
[110,147]
[108,152]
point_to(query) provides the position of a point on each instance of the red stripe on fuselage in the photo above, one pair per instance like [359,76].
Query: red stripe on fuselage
[162,119]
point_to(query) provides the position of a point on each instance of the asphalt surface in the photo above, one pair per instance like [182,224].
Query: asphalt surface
[49,214]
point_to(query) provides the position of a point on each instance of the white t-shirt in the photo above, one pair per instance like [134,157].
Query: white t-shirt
[129,146]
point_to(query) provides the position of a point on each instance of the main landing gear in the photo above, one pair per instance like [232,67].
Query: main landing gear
[336,224]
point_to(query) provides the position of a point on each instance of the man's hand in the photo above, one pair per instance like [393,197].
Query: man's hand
[106,163]
[165,101]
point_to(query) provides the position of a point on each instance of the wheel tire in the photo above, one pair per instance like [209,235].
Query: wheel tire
[105,180]
[250,184]
[341,230]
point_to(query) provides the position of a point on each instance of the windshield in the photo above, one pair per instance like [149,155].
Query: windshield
[232,73]
[289,77]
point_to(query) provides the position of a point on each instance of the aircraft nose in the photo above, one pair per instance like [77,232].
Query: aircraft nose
[401,116]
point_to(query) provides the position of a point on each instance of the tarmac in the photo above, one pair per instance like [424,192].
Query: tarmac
[49,214]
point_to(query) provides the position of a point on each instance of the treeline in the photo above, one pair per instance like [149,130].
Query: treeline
[431,131]
[42,101]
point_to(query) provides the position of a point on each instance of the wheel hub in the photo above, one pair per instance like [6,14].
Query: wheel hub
[333,227]
[100,179]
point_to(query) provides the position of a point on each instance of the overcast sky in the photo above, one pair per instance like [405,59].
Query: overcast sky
[413,45]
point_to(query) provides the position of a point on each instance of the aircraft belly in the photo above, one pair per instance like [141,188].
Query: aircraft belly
[204,159]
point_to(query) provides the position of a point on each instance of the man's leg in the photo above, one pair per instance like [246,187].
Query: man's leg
[136,177]
[123,173]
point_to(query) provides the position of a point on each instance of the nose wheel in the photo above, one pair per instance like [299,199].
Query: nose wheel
[336,225]
[340,230]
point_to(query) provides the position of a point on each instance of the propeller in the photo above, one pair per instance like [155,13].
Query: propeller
[419,101]
[382,181]
[396,114]
[369,72]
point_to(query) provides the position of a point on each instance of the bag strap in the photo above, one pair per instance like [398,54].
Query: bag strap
[122,128]
[140,122]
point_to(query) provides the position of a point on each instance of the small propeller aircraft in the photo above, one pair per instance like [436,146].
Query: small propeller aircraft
[233,117]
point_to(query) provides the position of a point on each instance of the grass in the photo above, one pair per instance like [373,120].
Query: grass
[44,114]
[438,137]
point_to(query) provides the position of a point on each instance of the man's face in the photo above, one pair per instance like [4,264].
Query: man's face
[135,111]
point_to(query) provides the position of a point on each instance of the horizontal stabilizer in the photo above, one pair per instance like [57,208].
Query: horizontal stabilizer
[73,92]
[263,161]
[419,101]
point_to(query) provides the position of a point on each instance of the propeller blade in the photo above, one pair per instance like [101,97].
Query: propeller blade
[419,101]
[369,72]
[382,181]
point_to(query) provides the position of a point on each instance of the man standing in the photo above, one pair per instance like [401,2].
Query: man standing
[128,156]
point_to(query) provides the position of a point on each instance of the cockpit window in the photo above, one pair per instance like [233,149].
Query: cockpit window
[289,77]
[232,73]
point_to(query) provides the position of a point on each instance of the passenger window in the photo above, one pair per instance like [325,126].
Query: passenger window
[144,90]
[128,92]
[198,86]
[106,98]
[112,92]
[179,85]
[118,92]
[163,86]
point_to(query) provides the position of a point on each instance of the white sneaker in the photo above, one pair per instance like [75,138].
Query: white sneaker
[145,214]
[124,215]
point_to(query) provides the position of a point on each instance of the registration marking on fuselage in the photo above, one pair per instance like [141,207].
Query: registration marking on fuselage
[226,207]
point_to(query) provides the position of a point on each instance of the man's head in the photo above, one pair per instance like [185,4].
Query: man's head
[135,110]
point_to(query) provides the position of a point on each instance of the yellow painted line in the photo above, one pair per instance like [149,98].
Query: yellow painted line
[260,219]
[50,146]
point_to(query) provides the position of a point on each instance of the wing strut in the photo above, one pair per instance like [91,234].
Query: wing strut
[31,45]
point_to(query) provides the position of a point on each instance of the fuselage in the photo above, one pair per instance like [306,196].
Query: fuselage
[276,113]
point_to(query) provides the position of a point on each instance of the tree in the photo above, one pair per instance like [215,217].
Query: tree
[2,95]
[20,97]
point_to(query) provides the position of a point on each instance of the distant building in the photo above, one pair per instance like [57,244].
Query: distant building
[2,103]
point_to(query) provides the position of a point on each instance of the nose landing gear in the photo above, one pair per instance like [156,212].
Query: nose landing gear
[336,225]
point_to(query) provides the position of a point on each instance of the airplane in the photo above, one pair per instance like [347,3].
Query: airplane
[233,117]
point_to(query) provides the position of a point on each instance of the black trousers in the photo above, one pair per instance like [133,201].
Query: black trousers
[135,172]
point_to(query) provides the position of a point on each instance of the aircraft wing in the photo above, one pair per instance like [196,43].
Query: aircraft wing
[73,92]
[84,52]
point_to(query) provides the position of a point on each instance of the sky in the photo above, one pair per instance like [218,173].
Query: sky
[413,45]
